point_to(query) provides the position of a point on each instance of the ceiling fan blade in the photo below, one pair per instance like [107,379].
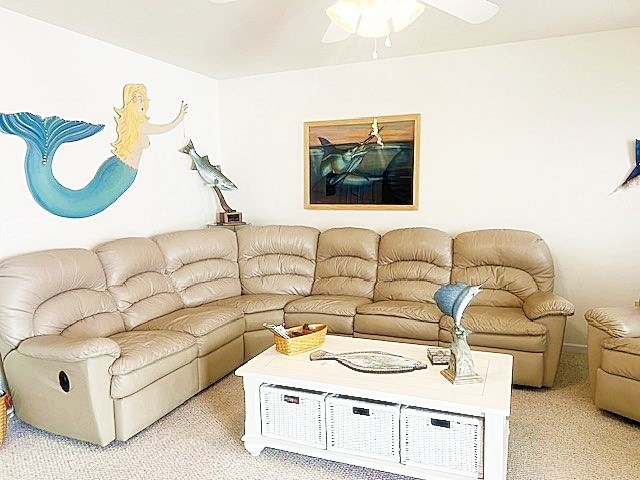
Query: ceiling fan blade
[334,34]
[472,11]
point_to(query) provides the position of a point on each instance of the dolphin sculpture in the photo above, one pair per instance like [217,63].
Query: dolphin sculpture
[454,298]
[211,174]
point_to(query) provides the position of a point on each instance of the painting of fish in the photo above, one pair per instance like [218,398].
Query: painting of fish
[362,163]
[371,361]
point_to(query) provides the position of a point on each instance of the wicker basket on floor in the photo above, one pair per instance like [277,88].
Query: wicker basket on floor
[303,338]
[3,417]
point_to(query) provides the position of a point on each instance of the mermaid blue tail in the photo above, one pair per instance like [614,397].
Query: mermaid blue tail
[43,137]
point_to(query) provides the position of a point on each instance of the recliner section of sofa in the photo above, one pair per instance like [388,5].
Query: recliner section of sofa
[144,289]
[73,368]
[276,265]
[516,312]
[345,277]
[412,264]
[141,324]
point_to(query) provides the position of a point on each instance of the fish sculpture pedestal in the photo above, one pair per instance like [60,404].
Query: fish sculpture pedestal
[461,370]
[230,218]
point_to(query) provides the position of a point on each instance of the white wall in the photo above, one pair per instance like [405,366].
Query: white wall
[50,71]
[531,135]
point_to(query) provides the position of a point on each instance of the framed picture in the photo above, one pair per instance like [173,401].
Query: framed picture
[362,163]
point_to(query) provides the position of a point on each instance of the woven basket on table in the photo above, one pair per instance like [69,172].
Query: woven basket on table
[3,417]
[303,338]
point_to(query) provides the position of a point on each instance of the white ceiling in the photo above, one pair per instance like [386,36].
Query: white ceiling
[249,37]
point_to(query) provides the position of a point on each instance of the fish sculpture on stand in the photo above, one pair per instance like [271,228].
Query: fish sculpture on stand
[371,361]
[213,176]
[452,300]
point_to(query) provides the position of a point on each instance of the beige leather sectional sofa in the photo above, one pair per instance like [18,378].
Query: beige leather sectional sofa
[98,344]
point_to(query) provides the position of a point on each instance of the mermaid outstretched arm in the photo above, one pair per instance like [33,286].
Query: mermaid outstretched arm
[151,129]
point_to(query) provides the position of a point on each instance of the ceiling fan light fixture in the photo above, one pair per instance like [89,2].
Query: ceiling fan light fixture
[371,18]
[373,27]
[404,13]
[345,14]
[374,19]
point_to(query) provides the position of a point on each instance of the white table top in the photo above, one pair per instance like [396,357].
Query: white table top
[422,388]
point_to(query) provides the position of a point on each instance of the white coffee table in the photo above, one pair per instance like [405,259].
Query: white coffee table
[421,388]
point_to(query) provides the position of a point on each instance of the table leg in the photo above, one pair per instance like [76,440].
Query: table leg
[252,426]
[496,434]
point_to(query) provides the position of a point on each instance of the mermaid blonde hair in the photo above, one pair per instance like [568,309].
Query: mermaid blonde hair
[129,119]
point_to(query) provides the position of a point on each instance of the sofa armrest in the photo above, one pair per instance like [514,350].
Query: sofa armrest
[66,349]
[541,304]
[615,321]
[63,385]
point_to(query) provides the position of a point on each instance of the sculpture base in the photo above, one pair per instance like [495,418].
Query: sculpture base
[230,218]
[461,379]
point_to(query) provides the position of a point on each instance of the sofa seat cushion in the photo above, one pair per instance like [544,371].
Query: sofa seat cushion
[400,319]
[499,327]
[211,325]
[422,311]
[147,356]
[621,357]
[385,327]
[342,305]
[255,303]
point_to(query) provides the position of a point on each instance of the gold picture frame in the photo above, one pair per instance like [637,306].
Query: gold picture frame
[369,163]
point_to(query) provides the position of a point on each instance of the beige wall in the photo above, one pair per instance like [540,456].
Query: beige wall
[532,135]
[50,71]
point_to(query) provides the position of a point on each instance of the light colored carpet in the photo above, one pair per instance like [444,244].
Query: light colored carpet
[555,434]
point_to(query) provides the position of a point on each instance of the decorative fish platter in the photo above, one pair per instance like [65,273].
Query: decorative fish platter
[371,361]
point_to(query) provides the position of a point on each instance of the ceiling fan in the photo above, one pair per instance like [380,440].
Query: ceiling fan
[371,18]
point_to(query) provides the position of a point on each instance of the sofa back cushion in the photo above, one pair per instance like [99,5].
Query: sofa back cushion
[52,292]
[202,264]
[277,259]
[412,264]
[347,261]
[136,277]
[510,265]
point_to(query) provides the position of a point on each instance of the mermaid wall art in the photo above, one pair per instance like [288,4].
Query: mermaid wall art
[43,136]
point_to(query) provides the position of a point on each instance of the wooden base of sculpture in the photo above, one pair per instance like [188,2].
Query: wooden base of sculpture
[230,218]
[461,370]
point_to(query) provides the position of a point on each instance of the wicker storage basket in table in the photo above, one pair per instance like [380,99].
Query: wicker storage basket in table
[363,427]
[3,417]
[293,414]
[442,441]
[303,338]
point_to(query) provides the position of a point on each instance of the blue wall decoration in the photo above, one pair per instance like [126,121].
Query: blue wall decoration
[634,177]
[43,136]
